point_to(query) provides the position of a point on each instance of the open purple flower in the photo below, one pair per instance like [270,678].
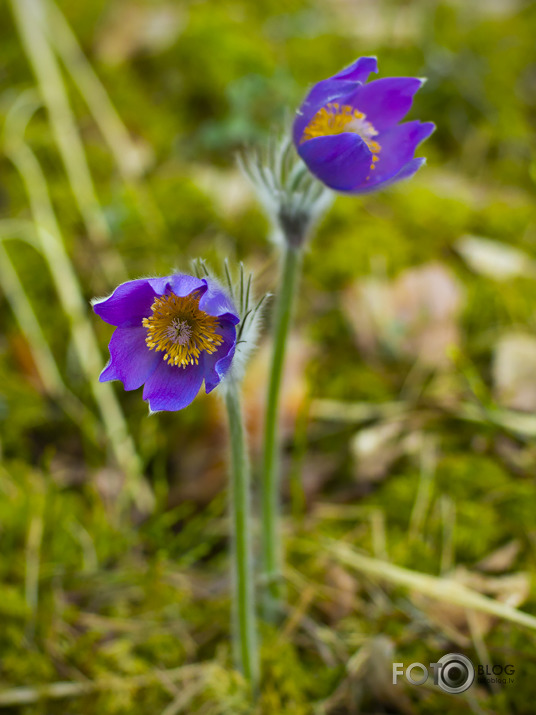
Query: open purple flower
[171,334]
[347,130]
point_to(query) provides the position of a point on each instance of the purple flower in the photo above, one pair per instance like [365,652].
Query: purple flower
[171,334]
[347,130]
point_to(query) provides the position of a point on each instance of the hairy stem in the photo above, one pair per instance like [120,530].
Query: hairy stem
[271,541]
[244,636]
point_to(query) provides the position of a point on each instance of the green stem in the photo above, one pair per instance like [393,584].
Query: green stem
[271,542]
[244,636]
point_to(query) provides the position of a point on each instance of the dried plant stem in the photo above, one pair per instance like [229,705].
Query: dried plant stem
[124,150]
[245,635]
[442,589]
[22,309]
[62,690]
[28,16]
[43,359]
[271,539]
[521,424]
[64,42]
[73,303]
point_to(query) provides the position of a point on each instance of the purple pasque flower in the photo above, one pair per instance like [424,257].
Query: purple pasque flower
[171,334]
[347,131]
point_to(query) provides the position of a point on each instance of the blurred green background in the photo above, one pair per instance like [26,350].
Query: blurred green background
[408,408]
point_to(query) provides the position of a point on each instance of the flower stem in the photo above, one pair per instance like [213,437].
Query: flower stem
[271,542]
[244,636]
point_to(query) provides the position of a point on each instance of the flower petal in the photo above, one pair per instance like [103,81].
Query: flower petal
[341,161]
[131,301]
[336,88]
[216,302]
[359,70]
[329,90]
[406,172]
[182,285]
[131,361]
[217,365]
[398,146]
[386,101]
[128,304]
[171,387]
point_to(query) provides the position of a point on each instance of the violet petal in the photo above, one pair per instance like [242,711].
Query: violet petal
[386,101]
[217,303]
[217,365]
[359,70]
[323,93]
[131,361]
[398,146]
[128,304]
[341,161]
[407,171]
[171,387]
[183,285]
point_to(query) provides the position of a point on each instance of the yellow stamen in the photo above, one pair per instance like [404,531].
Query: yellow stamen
[336,119]
[180,329]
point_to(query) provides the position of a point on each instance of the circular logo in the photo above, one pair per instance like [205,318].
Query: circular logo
[456,673]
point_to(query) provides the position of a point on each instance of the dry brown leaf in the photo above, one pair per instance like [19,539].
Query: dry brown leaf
[133,27]
[495,259]
[413,316]
[227,187]
[199,468]
[109,484]
[68,471]
[514,367]
[315,472]
[501,559]
[293,392]
[343,590]
[375,449]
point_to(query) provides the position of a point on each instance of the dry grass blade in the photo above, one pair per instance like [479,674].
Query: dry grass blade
[71,298]
[24,313]
[131,159]
[442,589]
[521,424]
[64,41]
[28,16]
[62,690]
[43,359]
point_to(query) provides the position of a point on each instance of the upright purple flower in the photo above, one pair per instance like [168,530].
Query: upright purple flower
[347,130]
[171,334]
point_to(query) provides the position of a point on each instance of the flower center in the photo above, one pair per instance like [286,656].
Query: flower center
[336,119]
[181,330]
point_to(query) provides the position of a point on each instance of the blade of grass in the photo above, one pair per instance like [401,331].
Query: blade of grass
[72,299]
[521,424]
[19,302]
[28,16]
[43,359]
[64,42]
[125,152]
[66,689]
[33,559]
[423,496]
